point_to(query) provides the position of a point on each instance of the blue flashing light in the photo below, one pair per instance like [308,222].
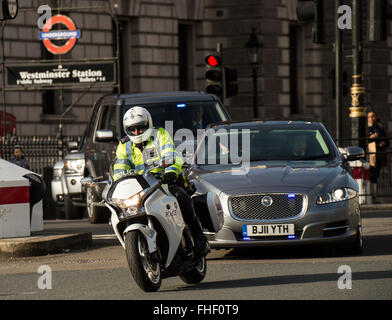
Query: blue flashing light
[291,237]
[244,231]
[245,238]
[291,195]
[181,105]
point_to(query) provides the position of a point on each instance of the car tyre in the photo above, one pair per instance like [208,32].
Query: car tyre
[95,214]
[59,211]
[70,211]
[357,246]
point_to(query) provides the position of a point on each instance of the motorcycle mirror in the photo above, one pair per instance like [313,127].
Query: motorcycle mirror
[166,162]
[87,182]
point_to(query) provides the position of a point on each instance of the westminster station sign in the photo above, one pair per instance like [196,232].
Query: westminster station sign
[56,75]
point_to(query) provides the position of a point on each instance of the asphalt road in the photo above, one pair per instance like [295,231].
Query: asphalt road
[101,272]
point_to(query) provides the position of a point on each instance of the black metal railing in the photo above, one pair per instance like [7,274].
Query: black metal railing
[384,180]
[381,187]
[40,151]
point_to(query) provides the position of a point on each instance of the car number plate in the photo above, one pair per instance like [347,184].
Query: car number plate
[268,230]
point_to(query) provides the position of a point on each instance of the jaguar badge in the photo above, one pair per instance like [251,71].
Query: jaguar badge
[266,201]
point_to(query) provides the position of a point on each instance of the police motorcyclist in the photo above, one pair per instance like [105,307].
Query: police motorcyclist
[144,144]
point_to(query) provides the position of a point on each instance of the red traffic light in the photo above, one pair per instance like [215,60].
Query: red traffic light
[213,60]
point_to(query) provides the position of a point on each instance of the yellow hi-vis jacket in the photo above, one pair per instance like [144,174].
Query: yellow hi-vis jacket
[160,145]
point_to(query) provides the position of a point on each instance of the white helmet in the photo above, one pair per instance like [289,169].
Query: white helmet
[138,118]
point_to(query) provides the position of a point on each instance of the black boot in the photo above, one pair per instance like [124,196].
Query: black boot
[202,248]
[191,219]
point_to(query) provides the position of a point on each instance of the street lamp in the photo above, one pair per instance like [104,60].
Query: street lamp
[253,46]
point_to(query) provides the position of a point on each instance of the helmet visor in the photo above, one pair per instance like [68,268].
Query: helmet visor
[136,129]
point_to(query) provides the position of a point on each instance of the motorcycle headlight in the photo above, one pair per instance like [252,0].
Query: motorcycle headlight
[132,202]
[337,195]
[74,166]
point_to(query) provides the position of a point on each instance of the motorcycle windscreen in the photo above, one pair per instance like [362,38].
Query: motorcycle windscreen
[127,188]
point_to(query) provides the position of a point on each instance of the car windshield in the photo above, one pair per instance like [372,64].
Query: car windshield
[189,115]
[263,143]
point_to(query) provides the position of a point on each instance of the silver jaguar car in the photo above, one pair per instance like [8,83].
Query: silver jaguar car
[277,183]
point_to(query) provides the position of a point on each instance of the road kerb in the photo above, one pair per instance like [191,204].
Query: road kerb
[376,206]
[43,245]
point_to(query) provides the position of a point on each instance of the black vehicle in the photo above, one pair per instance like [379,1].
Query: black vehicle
[105,130]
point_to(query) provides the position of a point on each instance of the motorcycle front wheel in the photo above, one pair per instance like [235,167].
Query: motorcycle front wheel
[145,271]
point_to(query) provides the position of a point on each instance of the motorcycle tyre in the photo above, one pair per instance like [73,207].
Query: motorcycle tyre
[195,275]
[135,262]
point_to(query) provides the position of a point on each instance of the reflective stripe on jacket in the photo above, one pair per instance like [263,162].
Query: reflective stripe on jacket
[160,145]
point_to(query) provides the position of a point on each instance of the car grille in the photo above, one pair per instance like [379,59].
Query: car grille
[251,207]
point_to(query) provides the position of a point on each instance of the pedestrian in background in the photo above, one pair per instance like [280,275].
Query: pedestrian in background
[19,159]
[378,143]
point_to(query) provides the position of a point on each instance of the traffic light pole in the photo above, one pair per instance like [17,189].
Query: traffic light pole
[358,113]
[338,73]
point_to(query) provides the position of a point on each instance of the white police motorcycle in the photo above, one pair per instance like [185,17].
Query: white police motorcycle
[147,221]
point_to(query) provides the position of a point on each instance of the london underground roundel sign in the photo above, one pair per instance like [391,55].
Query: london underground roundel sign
[47,34]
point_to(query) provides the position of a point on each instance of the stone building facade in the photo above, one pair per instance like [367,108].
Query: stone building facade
[163,44]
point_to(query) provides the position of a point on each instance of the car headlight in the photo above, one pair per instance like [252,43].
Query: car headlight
[132,202]
[337,195]
[74,166]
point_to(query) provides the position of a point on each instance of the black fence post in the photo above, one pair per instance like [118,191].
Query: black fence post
[49,209]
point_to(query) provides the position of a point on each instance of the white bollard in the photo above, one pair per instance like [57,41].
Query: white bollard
[361,174]
[15,203]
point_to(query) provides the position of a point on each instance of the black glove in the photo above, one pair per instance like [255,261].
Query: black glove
[170,177]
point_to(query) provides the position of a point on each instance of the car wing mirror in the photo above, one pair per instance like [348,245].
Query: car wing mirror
[355,153]
[104,135]
[72,145]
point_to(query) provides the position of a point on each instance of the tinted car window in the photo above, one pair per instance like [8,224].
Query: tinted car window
[108,118]
[265,143]
[193,115]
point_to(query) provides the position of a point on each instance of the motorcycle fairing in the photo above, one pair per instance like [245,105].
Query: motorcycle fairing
[166,210]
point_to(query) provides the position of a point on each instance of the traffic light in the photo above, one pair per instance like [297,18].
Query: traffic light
[379,11]
[231,86]
[314,13]
[214,75]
